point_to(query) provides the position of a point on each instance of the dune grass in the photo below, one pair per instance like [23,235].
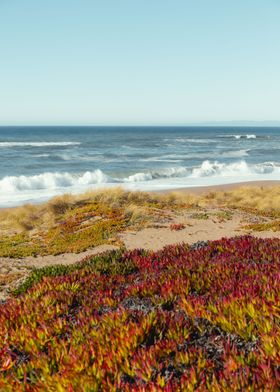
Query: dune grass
[71,223]
[256,199]
[76,223]
[259,201]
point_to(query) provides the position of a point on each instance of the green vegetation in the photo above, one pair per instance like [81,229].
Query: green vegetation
[66,224]
[223,215]
[273,225]
[200,215]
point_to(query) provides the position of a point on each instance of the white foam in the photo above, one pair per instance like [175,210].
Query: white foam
[41,155]
[51,181]
[203,141]
[171,172]
[167,158]
[197,155]
[37,144]
[249,136]
[21,189]
[220,169]
[189,140]
[139,177]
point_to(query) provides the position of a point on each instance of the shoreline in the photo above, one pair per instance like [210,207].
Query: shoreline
[196,190]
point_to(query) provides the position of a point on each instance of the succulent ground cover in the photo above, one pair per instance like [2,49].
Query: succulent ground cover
[204,317]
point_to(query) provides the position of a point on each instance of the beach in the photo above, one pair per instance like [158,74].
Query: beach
[227,187]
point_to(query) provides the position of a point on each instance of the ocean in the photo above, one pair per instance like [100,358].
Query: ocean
[40,162]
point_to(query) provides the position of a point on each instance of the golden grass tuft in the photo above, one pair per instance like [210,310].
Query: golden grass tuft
[60,204]
[260,199]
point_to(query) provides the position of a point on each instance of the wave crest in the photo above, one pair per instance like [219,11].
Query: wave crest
[12,184]
[38,144]
[248,136]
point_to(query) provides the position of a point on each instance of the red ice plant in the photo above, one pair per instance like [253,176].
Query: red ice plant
[204,317]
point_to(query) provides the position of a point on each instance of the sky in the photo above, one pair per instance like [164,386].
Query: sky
[145,62]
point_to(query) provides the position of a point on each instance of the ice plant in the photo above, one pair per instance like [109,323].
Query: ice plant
[185,318]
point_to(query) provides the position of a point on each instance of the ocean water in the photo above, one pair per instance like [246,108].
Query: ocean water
[40,162]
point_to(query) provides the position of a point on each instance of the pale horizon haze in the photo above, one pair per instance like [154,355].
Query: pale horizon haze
[139,62]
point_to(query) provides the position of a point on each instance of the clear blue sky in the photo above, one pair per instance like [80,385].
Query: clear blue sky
[139,62]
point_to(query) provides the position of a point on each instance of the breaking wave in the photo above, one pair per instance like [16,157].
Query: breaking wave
[245,136]
[37,144]
[13,185]
[51,181]
[249,136]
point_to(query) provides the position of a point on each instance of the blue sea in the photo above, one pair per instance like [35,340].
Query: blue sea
[40,162]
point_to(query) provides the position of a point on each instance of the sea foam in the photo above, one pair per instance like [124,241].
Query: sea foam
[248,136]
[37,144]
[71,181]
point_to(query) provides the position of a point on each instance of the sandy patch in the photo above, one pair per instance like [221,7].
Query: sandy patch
[210,226]
[14,271]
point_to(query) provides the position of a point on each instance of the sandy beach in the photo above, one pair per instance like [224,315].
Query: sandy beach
[198,190]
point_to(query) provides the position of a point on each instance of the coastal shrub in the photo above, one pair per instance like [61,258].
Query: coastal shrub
[273,225]
[204,317]
[76,223]
[200,215]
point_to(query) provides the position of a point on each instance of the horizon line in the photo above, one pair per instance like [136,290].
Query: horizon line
[272,123]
